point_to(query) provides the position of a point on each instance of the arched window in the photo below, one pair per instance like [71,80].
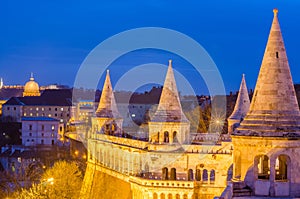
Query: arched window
[175,137]
[155,196]
[190,175]
[165,173]
[185,196]
[162,196]
[177,196]
[281,167]
[173,174]
[198,175]
[170,196]
[262,163]
[212,176]
[166,137]
[205,175]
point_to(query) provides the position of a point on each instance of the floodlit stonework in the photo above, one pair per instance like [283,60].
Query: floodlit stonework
[166,165]
[31,88]
[241,107]
[267,142]
[173,163]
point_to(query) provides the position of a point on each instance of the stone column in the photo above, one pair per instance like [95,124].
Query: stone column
[272,177]
[114,159]
[208,177]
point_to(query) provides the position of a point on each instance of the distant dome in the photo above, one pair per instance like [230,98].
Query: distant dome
[31,88]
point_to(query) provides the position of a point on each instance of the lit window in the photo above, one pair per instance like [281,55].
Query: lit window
[62,109]
[24,114]
[37,109]
[43,109]
[52,127]
[30,114]
[49,115]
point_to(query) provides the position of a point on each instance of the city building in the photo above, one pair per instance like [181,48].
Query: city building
[41,131]
[55,103]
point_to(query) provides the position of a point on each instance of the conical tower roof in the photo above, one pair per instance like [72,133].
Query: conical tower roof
[242,103]
[274,106]
[169,107]
[107,107]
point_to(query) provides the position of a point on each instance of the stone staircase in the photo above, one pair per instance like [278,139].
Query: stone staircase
[241,190]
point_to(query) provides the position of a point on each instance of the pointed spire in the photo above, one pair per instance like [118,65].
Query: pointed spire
[107,107]
[242,102]
[241,106]
[274,106]
[169,108]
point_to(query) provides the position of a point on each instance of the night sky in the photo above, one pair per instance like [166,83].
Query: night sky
[52,38]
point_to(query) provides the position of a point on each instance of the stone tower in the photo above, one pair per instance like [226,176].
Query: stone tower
[169,125]
[108,119]
[241,107]
[267,142]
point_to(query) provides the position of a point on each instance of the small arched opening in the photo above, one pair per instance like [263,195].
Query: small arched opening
[198,175]
[190,175]
[175,140]
[166,137]
[282,167]
[165,173]
[173,174]
[205,175]
[262,165]
[212,176]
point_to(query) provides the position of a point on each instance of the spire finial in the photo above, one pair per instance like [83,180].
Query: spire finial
[170,62]
[275,11]
[243,75]
[107,71]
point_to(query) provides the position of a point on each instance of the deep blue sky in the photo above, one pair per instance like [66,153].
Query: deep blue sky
[52,38]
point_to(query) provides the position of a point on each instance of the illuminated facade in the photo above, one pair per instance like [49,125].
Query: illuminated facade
[174,163]
[165,165]
[31,88]
[271,129]
[41,131]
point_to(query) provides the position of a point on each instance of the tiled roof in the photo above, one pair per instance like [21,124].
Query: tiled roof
[57,97]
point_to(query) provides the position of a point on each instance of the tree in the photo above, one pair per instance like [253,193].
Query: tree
[63,180]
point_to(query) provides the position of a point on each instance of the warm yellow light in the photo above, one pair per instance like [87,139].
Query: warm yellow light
[76,152]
